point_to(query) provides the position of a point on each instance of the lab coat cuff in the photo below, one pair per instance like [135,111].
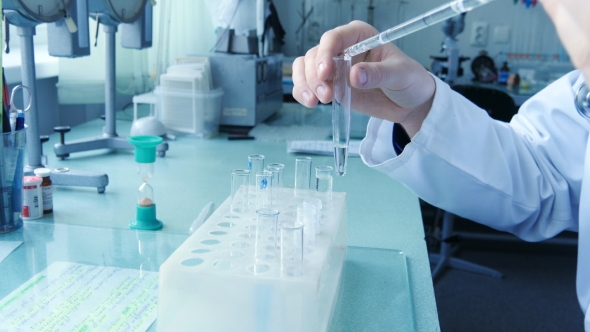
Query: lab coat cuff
[376,149]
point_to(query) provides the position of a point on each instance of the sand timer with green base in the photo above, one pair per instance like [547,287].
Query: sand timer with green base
[145,156]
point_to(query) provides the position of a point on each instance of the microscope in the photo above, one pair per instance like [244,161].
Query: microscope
[448,68]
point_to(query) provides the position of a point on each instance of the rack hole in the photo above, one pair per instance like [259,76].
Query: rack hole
[234,253]
[224,265]
[192,262]
[201,251]
[258,268]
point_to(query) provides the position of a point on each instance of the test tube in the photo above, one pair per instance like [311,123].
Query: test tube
[275,185]
[266,234]
[323,183]
[281,168]
[263,190]
[291,248]
[306,214]
[341,113]
[240,181]
[302,175]
[255,165]
[317,203]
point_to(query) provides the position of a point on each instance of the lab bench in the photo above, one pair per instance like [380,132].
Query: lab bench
[383,218]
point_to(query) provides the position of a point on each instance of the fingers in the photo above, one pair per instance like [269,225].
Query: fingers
[308,89]
[320,87]
[312,74]
[301,91]
[335,41]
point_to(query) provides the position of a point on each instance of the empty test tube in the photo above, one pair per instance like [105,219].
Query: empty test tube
[275,184]
[281,168]
[263,190]
[317,203]
[266,234]
[306,214]
[323,183]
[341,113]
[255,165]
[240,183]
[302,175]
[291,248]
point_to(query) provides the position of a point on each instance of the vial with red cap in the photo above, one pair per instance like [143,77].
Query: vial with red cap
[32,198]
[46,189]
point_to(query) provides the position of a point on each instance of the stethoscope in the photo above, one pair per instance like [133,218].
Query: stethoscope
[582,100]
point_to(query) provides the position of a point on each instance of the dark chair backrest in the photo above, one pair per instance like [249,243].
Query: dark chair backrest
[498,104]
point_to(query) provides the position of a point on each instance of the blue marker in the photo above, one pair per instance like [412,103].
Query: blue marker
[20,121]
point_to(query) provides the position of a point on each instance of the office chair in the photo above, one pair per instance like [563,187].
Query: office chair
[499,106]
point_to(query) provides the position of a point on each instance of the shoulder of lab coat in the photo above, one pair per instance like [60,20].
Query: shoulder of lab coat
[523,177]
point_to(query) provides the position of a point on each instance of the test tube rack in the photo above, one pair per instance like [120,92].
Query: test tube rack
[208,283]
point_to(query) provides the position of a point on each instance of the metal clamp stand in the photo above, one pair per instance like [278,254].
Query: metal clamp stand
[109,138]
[64,176]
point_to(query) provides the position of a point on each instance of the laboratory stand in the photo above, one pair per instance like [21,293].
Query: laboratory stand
[109,138]
[135,19]
[62,176]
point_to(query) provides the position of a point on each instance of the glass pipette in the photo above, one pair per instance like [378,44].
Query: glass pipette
[418,23]
[341,110]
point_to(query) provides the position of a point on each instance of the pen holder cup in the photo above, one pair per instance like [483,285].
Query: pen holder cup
[11,180]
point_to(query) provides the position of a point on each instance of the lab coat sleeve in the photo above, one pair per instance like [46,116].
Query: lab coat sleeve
[523,177]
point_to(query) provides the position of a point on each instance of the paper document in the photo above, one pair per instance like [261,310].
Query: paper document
[321,147]
[6,247]
[76,297]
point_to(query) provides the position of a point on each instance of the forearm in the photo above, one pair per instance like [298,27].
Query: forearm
[466,163]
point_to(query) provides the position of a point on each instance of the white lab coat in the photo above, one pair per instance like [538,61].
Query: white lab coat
[528,177]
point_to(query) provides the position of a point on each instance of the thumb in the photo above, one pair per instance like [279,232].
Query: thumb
[372,75]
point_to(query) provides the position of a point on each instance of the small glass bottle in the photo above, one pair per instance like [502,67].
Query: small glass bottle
[504,74]
[46,189]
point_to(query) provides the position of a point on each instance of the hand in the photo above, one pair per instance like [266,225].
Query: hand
[385,82]
[573,27]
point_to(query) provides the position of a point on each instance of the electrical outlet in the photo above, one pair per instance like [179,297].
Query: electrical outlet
[479,34]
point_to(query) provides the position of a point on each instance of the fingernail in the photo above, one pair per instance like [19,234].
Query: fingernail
[362,76]
[306,96]
[321,67]
[321,91]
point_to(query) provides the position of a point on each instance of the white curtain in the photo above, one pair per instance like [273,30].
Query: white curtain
[180,28]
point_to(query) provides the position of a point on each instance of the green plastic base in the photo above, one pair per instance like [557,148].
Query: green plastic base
[145,219]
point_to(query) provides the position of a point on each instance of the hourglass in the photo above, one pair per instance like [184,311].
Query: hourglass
[145,156]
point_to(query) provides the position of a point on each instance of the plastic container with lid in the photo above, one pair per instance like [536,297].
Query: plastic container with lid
[46,189]
[32,201]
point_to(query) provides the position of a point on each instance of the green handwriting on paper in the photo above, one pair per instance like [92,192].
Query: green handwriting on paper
[27,287]
[77,297]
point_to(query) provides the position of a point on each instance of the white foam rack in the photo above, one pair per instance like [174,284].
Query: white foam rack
[208,283]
